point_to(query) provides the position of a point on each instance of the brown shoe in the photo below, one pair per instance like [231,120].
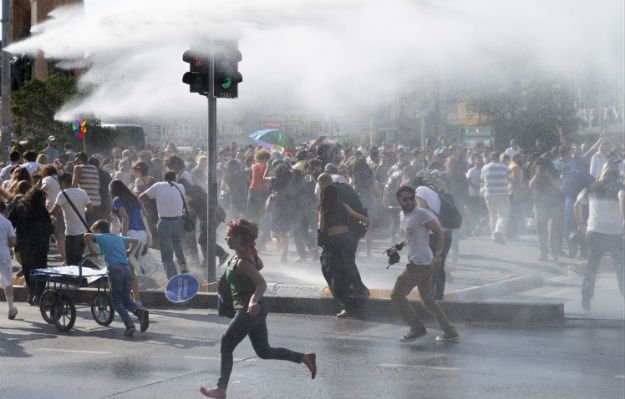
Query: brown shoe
[310,360]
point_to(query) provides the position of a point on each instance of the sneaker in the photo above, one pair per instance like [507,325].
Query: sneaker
[144,319]
[12,313]
[413,335]
[452,337]
[129,331]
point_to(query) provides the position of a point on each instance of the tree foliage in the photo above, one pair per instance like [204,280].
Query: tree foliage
[36,102]
[34,105]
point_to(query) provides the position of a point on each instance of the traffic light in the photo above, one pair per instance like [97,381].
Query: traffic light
[226,74]
[199,68]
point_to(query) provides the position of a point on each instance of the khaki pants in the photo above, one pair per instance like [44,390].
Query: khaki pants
[499,211]
[421,277]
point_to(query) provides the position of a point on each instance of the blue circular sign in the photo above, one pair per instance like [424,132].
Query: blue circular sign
[181,288]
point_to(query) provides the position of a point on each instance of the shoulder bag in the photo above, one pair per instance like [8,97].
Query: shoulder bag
[189,223]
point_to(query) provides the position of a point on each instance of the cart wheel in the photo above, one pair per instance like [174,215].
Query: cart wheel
[64,313]
[102,309]
[45,305]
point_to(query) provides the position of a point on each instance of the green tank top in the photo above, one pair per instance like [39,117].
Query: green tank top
[241,287]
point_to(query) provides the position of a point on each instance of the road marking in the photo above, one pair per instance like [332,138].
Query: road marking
[72,351]
[393,365]
[621,376]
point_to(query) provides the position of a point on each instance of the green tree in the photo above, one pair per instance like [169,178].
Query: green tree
[34,105]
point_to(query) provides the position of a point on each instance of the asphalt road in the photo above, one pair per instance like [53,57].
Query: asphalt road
[356,359]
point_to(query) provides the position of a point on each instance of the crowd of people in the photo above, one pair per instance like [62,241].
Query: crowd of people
[324,197]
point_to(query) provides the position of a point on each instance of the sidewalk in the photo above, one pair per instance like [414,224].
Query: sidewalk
[484,271]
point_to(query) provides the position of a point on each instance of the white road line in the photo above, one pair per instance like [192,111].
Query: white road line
[392,365]
[621,376]
[72,351]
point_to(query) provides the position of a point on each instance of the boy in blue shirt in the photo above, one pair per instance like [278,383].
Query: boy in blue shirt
[115,249]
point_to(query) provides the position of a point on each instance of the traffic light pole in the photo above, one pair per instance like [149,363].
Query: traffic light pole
[212,178]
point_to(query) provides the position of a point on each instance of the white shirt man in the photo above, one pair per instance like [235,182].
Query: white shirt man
[168,199]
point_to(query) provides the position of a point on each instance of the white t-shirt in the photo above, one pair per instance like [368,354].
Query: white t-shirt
[54,189]
[596,164]
[512,152]
[31,167]
[433,201]
[416,234]
[168,200]
[474,175]
[73,225]
[6,231]
[604,214]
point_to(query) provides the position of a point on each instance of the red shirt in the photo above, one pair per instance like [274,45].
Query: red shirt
[258,171]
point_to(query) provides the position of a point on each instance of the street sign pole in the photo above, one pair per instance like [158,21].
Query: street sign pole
[212,176]
[6,80]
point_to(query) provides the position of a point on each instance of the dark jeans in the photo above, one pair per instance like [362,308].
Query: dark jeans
[338,265]
[256,328]
[438,274]
[301,235]
[599,244]
[171,233]
[120,279]
[74,248]
[256,204]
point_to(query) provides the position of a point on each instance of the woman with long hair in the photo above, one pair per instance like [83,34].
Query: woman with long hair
[33,228]
[143,181]
[128,210]
[18,175]
[338,259]
[247,287]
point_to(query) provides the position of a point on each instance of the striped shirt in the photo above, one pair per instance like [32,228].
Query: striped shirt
[495,177]
[90,182]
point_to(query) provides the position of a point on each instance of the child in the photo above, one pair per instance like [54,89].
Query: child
[7,240]
[114,249]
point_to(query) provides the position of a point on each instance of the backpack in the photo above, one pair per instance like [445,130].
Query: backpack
[449,216]
[225,307]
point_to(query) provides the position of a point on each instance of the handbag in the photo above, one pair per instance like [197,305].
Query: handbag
[189,222]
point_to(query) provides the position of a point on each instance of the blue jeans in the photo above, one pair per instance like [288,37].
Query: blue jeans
[120,279]
[256,327]
[170,235]
[599,244]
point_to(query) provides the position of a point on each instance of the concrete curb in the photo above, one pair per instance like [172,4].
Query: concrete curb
[383,310]
[491,290]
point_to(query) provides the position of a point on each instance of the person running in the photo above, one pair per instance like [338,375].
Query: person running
[33,227]
[415,226]
[128,210]
[603,229]
[338,263]
[247,287]
[116,250]
[169,197]
[7,241]
[495,177]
